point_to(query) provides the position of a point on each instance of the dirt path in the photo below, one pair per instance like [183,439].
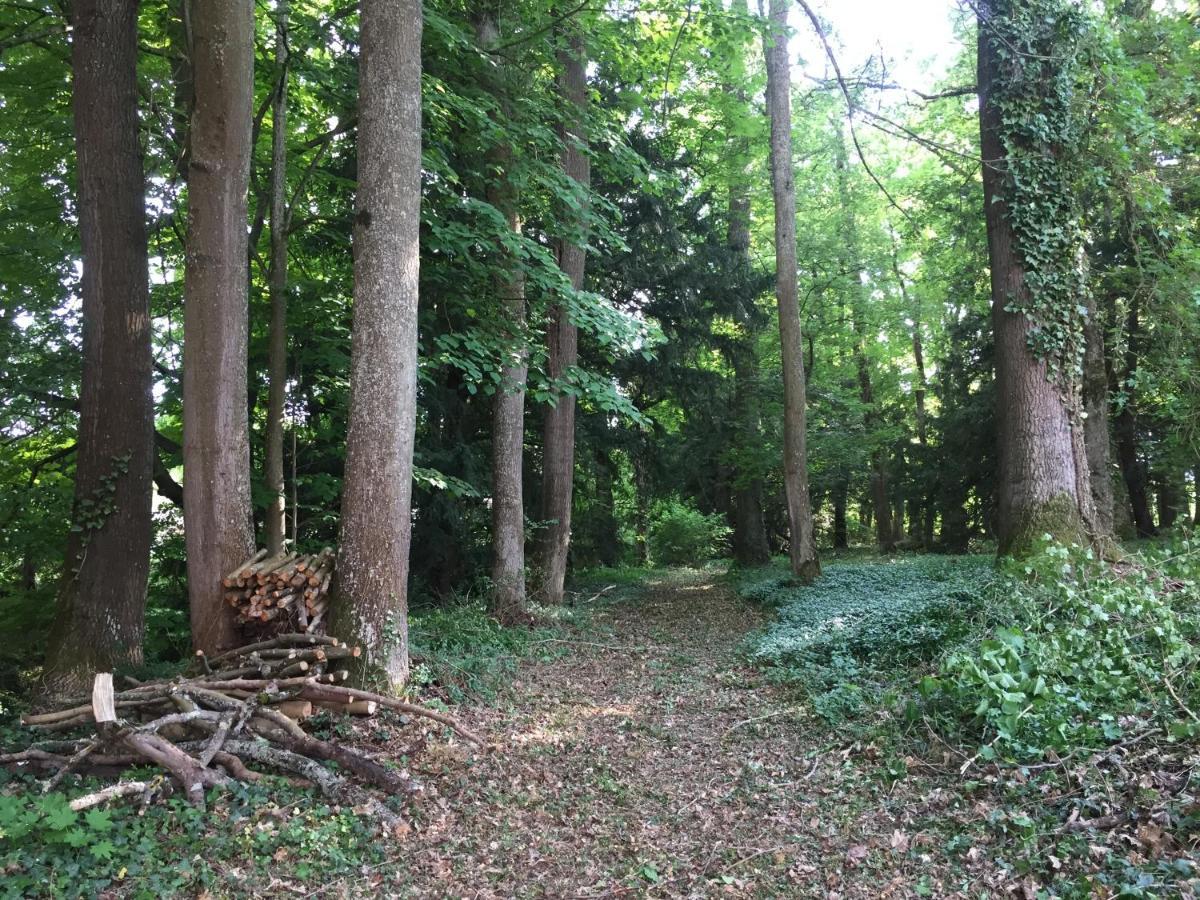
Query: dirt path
[662,768]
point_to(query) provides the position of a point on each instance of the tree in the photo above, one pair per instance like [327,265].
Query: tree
[562,336]
[1027,126]
[371,594]
[102,598]
[802,547]
[216,441]
[508,410]
[276,514]
[750,546]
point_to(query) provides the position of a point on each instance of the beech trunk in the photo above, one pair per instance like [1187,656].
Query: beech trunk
[216,441]
[508,411]
[370,605]
[558,441]
[802,541]
[276,516]
[1096,433]
[102,598]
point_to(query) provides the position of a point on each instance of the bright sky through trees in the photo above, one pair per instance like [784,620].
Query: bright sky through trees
[916,37]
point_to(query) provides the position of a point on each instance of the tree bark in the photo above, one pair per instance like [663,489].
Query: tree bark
[370,605]
[840,535]
[885,530]
[276,515]
[1039,479]
[102,598]
[216,441]
[507,602]
[750,546]
[802,543]
[558,442]
[1097,437]
[1133,467]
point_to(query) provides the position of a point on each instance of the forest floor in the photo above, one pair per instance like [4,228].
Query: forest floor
[647,759]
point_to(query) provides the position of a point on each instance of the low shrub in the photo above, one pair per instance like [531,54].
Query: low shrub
[879,613]
[681,535]
[853,633]
[461,651]
[1086,645]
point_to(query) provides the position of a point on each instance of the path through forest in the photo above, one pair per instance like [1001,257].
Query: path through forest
[648,760]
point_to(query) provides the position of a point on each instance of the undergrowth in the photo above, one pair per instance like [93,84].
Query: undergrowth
[1059,694]
[862,623]
[170,848]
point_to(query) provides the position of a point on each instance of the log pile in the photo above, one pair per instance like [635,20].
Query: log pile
[281,594]
[241,713]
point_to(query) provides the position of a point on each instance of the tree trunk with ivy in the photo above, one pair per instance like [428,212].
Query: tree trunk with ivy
[1044,486]
[802,541]
[370,604]
[102,597]
[562,336]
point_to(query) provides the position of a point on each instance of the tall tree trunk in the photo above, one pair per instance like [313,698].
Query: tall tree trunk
[750,547]
[216,441]
[102,599]
[749,529]
[508,412]
[558,442]
[609,541]
[802,542]
[1171,497]
[371,594]
[1097,437]
[885,529]
[1039,476]
[276,516]
[922,528]
[1133,467]
[840,535]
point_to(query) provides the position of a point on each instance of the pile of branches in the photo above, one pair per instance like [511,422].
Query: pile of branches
[240,714]
[286,593]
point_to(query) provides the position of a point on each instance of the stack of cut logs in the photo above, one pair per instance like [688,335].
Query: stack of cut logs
[290,656]
[290,591]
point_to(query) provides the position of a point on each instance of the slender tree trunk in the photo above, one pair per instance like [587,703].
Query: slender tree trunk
[609,538]
[508,412]
[1097,437]
[749,529]
[1171,497]
[750,547]
[1133,468]
[558,443]
[371,594]
[102,598]
[840,535]
[216,442]
[1039,478]
[276,516]
[921,529]
[802,543]
[885,530]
